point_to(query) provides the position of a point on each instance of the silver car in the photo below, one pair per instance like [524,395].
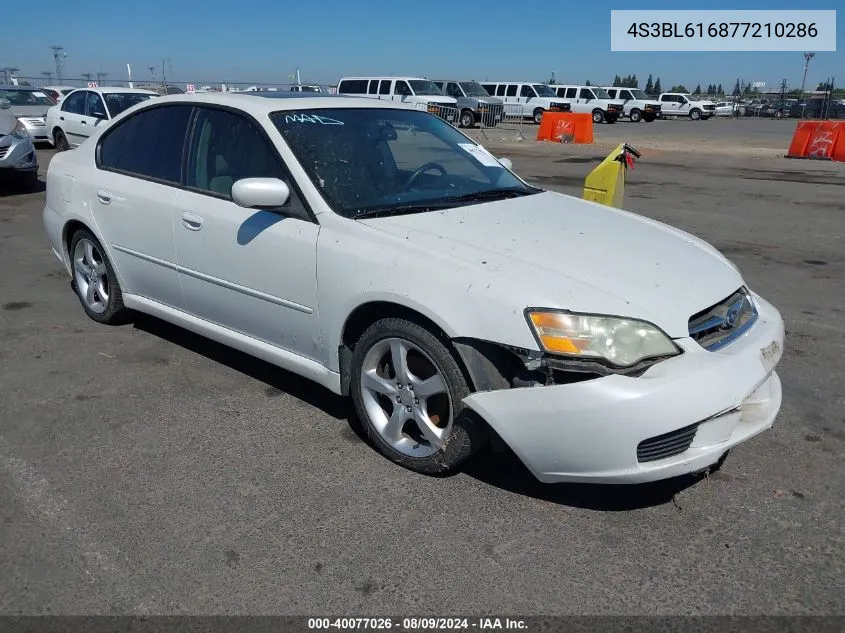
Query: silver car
[475,104]
[29,106]
[17,153]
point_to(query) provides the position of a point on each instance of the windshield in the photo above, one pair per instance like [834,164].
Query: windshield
[26,97]
[639,94]
[423,87]
[544,91]
[117,102]
[601,93]
[473,89]
[391,161]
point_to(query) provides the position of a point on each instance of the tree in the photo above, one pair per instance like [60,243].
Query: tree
[587,83]
[617,81]
[719,90]
[657,87]
[635,83]
[824,86]
[697,90]
[649,86]
[736,91]
[679,88]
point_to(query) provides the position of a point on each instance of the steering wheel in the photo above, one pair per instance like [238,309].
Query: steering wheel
[424,168]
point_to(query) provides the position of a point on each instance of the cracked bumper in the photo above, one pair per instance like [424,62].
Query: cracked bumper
[589,431]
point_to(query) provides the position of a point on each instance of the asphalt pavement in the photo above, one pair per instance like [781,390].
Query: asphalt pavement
[144,469]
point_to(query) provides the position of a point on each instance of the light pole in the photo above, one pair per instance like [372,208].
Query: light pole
[100,76]
[59,56]
[807,58]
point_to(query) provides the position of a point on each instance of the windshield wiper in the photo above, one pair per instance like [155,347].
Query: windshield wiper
[445,203]
[404,209]
[493,194]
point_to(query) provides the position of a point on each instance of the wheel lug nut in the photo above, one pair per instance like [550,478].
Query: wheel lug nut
[416,400]
[410,387]
[398,385]
[408,409]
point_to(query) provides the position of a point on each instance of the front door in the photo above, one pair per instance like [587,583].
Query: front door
[139,171]
[70,117]
[250,270]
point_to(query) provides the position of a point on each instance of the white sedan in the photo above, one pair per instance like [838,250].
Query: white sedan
[381,253]
[725,108]
[81,112]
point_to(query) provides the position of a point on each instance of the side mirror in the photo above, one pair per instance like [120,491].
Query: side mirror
[506,163]
[5,104]
[260,193]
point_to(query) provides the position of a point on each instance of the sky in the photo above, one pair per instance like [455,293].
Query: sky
[264,41]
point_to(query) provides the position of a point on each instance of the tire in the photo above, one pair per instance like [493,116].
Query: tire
[636,116]
[538,115]
[91,269]
[398,426]
[598,116]
[695,114]
[467,118]
[60,140]
[649,118]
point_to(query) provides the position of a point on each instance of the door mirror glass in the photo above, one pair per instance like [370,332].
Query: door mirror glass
[260,193]
[506,163]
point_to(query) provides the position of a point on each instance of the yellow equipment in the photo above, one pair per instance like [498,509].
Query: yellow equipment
[606,183]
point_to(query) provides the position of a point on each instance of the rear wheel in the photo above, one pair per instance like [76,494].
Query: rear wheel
[61,141]
[538,115]
[94,280]
[636,116]
[467,119]
[598,116]
[408,388]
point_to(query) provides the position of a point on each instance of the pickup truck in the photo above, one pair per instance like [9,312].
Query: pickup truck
[636,105]
[677,104]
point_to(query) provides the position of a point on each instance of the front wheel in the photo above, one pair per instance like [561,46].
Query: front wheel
[467,119]
[408,388]
[598,116]
[695,114]
[636,116]
[538,115]
[94,280]
[61,141]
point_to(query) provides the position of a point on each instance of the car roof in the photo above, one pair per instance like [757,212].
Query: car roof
[14,87]
[511,82]
[261,104]
[114,89]
[398,78]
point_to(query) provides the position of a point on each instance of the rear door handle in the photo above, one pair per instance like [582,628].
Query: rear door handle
[84,123]
[191,221]
[104,196]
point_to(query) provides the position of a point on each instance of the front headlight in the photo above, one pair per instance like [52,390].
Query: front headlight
[20,131]
[622,342]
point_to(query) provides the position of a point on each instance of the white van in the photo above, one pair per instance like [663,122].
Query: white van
[415,91]
[637,105]
[590,99]
[533,98]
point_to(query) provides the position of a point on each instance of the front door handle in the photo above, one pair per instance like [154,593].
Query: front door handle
[191,221]
[84,123]
[104,196]
[61,118]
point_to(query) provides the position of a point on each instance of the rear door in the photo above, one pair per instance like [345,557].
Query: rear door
[139,164]
[250,270]
[70,117]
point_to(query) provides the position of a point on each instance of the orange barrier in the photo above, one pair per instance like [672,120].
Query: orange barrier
[560,127]
[822,140]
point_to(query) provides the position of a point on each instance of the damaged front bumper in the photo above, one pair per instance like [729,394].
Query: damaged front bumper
[678,417]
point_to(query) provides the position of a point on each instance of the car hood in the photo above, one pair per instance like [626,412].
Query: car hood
[29,111]
[578,255]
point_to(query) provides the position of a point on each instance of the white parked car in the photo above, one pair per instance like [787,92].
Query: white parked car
[81,112]
[530,100]
[590,100]
[636,104]
[676,104]
[380,252]
[726,109]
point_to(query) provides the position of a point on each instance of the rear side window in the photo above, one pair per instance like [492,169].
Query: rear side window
[384,87]
[148,144]
[500,90]
[511,90]
[570,93]
[75,103]
[373,87]
[402,89]
[353,87]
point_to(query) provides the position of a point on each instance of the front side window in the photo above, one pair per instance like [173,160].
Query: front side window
[586,93]
[389,161]
[75,102]
[453,90]
[225,148]
[474,89]
[25,97]
[423,87]
[543,90]
[117,102]
[94,106]
[402,89]
[526,91]
[601,93]
[147,144]
[639,94]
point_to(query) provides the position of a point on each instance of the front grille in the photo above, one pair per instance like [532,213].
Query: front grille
[666,445]
[709,107]
[35,122]
[721,324]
